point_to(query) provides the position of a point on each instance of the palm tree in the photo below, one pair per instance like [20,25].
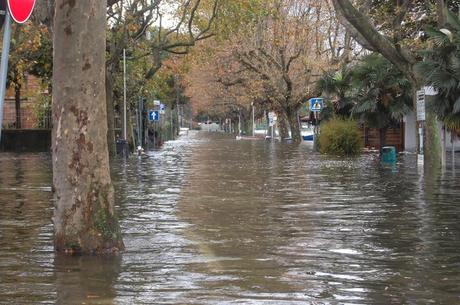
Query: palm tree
[441,69]
[383,94]
[338,86]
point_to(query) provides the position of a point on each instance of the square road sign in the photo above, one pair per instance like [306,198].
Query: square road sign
[154,116]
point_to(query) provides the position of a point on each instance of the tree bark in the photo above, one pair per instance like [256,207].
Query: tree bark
[17,102]
[294,125]
[441,12]
[84,214]
[283,126]
[110,114]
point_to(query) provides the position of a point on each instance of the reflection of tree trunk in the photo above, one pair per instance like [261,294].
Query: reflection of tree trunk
[294,124]
[110,113]
[17,99]
[86,279]
[84,215]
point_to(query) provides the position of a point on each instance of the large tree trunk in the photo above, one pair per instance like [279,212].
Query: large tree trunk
[110,113]
[84,215]
[283,126]
[17,102]
[294,125]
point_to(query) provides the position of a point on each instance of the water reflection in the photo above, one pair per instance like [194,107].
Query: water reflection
[211,220]
[86,280]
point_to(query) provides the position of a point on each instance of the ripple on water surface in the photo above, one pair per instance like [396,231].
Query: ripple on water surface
[211,220]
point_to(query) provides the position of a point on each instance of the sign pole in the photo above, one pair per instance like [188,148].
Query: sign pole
[4,64]
[125,133]
[253,119]
[421,125]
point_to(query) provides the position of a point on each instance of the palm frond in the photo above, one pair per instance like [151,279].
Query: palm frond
[456,107]
[453,20]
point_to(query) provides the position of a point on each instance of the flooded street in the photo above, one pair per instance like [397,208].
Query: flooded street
[211,220]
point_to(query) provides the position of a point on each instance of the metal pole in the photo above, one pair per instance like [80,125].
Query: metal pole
[4,64]
[273,131]
[453,149]
[253,119]
[154,138]
[239,122]
[125,132]
[172,126]
[139,126]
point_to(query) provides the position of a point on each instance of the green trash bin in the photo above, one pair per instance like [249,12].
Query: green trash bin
[389,154]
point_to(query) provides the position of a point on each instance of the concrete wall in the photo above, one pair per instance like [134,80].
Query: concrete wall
[26,140]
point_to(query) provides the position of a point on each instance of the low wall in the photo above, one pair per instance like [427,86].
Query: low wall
[26,140]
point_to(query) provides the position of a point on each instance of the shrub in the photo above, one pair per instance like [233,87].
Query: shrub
[340,137]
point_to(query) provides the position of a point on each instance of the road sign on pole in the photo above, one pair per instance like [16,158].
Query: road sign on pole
[316,104]
[271,118]
[154,115]
[21,9]
[421,105]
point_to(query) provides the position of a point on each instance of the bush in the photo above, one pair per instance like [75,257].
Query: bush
[340,137]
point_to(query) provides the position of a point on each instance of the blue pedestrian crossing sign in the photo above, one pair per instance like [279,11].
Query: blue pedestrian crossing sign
[316,104]
[154,115]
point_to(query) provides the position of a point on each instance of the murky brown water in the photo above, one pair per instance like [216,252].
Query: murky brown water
[209,220]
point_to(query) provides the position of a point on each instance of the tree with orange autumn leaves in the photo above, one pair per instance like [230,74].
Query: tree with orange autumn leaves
[273,62]
[30,54]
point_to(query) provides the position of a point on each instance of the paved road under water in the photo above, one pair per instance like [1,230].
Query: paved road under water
[211,220]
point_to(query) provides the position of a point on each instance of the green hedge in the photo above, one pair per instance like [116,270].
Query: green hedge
[340,137]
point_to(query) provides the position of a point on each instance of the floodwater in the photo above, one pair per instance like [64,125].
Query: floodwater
[211,220]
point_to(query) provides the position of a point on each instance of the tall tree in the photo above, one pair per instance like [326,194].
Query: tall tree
[84,215]
[139,26]
[441,69]
[390,40]
[382,94]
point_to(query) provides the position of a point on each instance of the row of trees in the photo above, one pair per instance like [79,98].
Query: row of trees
[272,62]
[372,91]
[84,40]
[270,53]
[276,59]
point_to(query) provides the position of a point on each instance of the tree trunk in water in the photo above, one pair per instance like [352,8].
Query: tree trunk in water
[110,114]
[294,124]
[17,99]
[283,126]
[433,145]
[84,215]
